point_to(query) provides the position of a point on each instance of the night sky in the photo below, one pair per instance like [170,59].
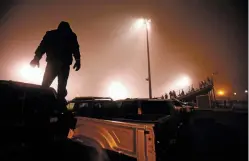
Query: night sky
[187,38]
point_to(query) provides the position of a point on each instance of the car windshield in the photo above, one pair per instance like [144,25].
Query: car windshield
[156,107]
[128,107]
[95,109]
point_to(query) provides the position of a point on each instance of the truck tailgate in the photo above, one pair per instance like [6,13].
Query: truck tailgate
[122,137]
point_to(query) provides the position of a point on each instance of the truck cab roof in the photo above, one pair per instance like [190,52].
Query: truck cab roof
[140,99]
[23,100]
[7,84]
[92,98]
[145,106]
[105,107]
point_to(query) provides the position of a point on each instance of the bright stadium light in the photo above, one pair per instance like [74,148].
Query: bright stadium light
[141,23]
[31,75]
[183,82]
[117,91]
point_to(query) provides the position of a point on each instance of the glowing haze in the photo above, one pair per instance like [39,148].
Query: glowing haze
[31,75]
[188,42]
[117,91]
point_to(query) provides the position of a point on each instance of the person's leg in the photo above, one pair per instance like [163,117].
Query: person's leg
[49,75]
[62,81]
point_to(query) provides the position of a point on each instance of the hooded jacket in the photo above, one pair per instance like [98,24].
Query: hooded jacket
[59,45]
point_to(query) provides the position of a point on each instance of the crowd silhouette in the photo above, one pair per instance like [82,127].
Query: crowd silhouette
[202,84]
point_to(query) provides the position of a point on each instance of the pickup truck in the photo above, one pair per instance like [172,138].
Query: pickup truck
[31,114]
[134,129]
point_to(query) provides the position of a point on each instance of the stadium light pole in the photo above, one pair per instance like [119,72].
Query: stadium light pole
[146,22]
[148,56]
[141,23]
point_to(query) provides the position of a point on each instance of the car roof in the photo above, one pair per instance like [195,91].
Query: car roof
[142,99]
[26,86]
[92,98]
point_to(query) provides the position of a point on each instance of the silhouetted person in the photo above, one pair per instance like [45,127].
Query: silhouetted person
[59,45]
[191,88]
[170,94]
[209,81]
[200,85]
[182,93]
[174,94]
[204,83]
[166,96]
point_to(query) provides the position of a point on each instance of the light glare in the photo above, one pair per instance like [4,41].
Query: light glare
[141,23]
[183,82]
[31,75]
[117,91]
[221,93]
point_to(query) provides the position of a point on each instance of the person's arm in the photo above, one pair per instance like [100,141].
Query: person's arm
[76,48]
[41,49]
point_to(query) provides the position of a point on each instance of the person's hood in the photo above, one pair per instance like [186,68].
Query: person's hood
[64,27]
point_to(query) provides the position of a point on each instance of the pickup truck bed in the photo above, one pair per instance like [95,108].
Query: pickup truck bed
[135,140]
[142,137]
[143,129]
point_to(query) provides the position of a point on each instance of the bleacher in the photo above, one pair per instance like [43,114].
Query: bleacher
[189,94]
[197,92]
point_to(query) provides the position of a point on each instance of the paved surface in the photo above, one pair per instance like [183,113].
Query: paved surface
[214,136]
